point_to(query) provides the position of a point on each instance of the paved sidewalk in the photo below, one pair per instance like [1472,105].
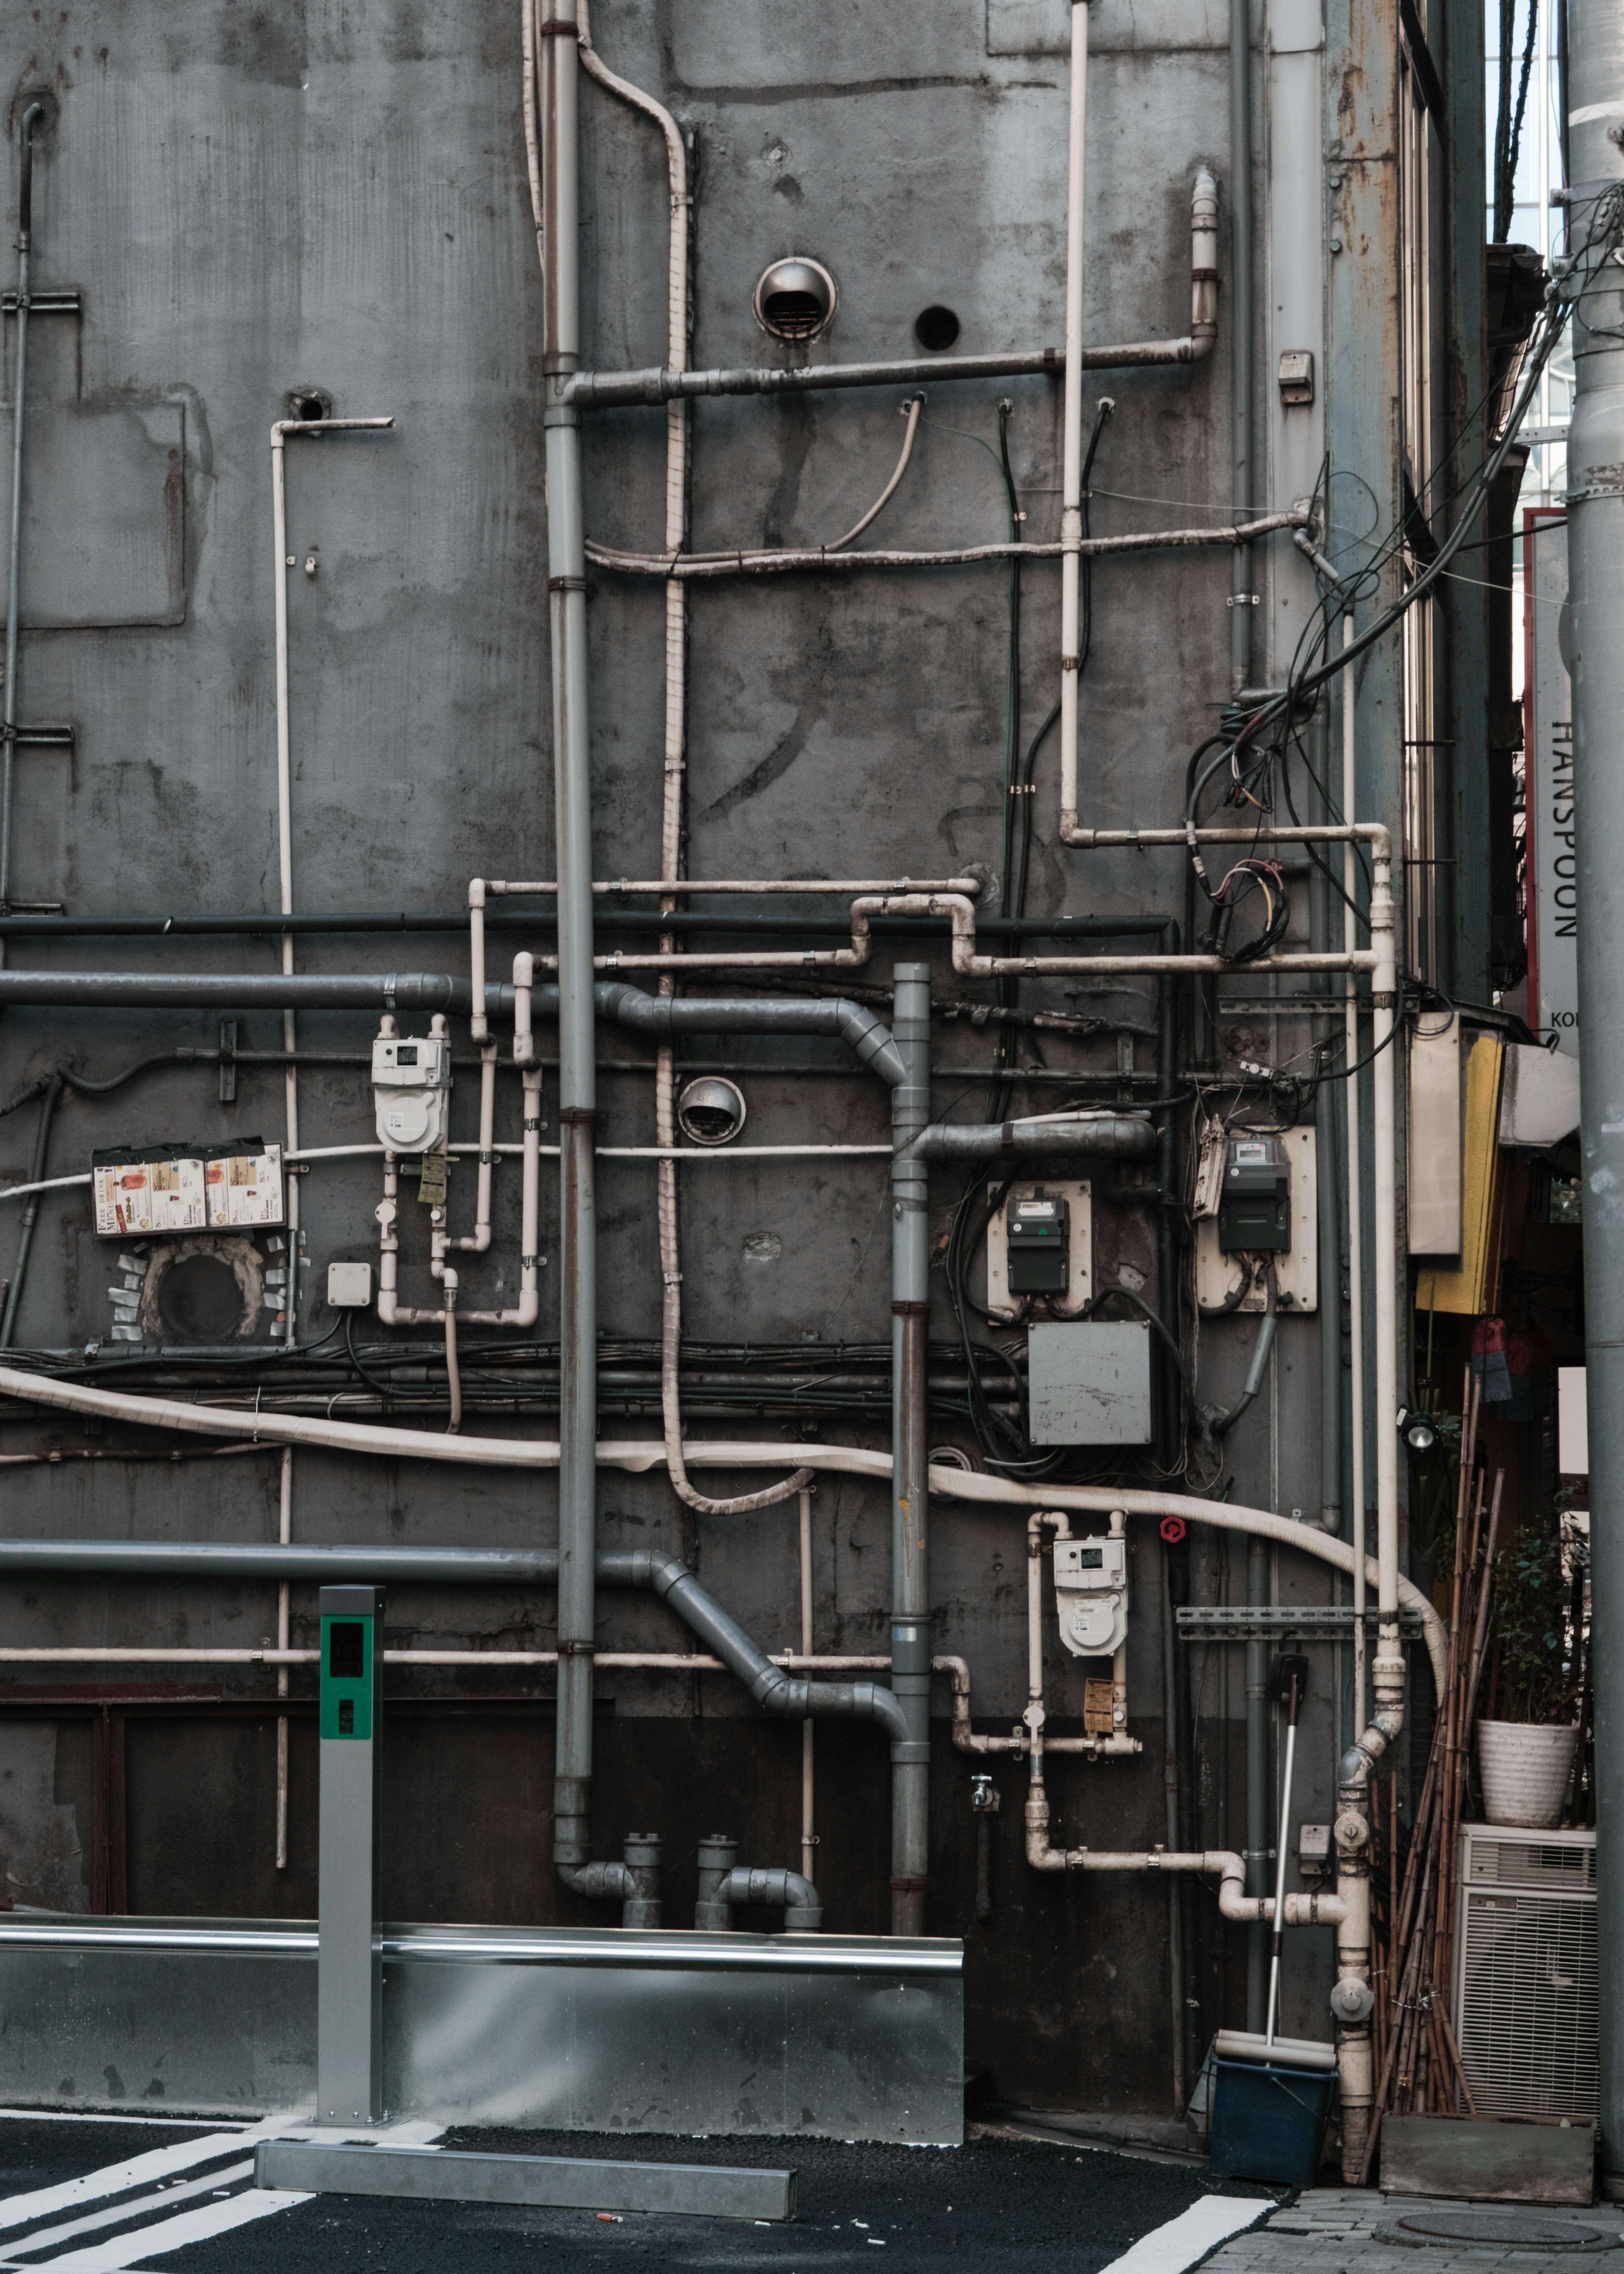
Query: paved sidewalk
[1341,2230]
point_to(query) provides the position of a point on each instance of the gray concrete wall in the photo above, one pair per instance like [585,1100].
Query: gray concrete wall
[334,197]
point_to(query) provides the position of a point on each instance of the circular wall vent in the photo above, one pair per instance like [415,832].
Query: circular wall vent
[309,403]
[710,1112]
[796,298]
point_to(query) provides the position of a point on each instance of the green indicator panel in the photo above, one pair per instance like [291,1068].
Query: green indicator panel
[347,1677]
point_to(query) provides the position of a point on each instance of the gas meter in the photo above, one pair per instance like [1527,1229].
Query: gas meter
[1039,1230]
[411,1083]
[1255,1205]
[1091,1595]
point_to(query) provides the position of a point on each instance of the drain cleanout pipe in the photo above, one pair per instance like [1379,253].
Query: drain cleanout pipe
[910,1569]
[572,787]
[1595,97]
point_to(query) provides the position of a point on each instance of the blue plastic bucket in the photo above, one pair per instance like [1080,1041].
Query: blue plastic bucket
[1269,2123]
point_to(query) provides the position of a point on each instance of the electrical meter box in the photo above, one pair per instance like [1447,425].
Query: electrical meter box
[1037,1232]
[1230,1282]
[411,1083]
[1010,1263]
[1091,1595]
[1255,1205]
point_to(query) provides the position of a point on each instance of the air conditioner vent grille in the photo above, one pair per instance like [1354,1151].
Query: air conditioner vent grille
[1528,2005]
[1532,1863]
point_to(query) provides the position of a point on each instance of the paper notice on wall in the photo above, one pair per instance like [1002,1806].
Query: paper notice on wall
[152,1196]
[245,1188]
[151,1190]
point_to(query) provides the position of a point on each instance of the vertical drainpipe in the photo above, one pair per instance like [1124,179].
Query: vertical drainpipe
[910,1327]
[578,1050]
[13,597]
[1240,337]
[1596,585]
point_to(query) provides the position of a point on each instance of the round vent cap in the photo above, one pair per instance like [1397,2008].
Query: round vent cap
[796,298]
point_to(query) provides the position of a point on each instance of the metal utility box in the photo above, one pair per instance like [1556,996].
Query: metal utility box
[1219,1277]
[1254,1206]
[1088,1382]
[1003,1300]
[1037,1232]
[350,1979]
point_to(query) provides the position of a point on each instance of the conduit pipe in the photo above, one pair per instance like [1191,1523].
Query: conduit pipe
[32,115]
[637,1455]
[700,566]
[242,990]
[959,910]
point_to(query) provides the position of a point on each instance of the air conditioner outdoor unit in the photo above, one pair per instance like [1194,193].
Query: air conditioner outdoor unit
[1525,1987]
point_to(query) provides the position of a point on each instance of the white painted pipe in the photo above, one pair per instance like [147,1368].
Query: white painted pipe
[1356,1203]
[639,1455]
[1072,455]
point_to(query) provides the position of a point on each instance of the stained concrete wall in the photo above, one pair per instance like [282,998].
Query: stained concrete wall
[334,197]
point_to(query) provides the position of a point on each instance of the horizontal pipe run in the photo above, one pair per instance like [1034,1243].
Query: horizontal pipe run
[687,568]
[774,1690]
[606,390]
[400,991]
[663,1018]
[639,1456]
[1117,1136]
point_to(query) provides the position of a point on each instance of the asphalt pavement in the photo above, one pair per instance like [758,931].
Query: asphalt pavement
[90,2197]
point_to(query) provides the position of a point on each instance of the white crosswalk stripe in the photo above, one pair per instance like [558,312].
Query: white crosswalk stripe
[1183,2241]
[141,2194]
[201,2225]
[231,2178]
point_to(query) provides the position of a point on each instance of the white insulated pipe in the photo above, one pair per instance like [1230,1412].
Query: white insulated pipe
[1071,454]
[1355,1202]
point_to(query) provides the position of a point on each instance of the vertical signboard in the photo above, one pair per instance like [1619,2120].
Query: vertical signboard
[1552,870]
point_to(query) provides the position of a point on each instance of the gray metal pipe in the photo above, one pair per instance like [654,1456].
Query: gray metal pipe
[30,117]
[1595,105]
[401,991]
[1118,1136]
[723,1886]
[910,1326]
[1242,600]
[602,390]
[775,1692]
[664,1017]
[571,782]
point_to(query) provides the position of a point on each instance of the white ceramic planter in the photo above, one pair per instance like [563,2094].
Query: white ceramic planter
[1525,1766]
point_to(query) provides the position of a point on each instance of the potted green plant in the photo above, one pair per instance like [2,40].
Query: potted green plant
[1526,1739]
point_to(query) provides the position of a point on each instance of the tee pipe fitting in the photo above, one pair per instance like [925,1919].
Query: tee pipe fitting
[635,1882]
[724,1887]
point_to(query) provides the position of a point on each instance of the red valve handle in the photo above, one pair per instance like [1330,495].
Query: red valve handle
[1172,1530]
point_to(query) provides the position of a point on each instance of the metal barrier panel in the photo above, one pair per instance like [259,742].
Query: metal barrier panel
[611,2030]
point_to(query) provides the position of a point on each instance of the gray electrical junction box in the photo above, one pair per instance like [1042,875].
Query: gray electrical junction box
[1088,1382]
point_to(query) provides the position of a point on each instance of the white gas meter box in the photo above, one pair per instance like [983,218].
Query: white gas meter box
[1091,1595]
[411,1083]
